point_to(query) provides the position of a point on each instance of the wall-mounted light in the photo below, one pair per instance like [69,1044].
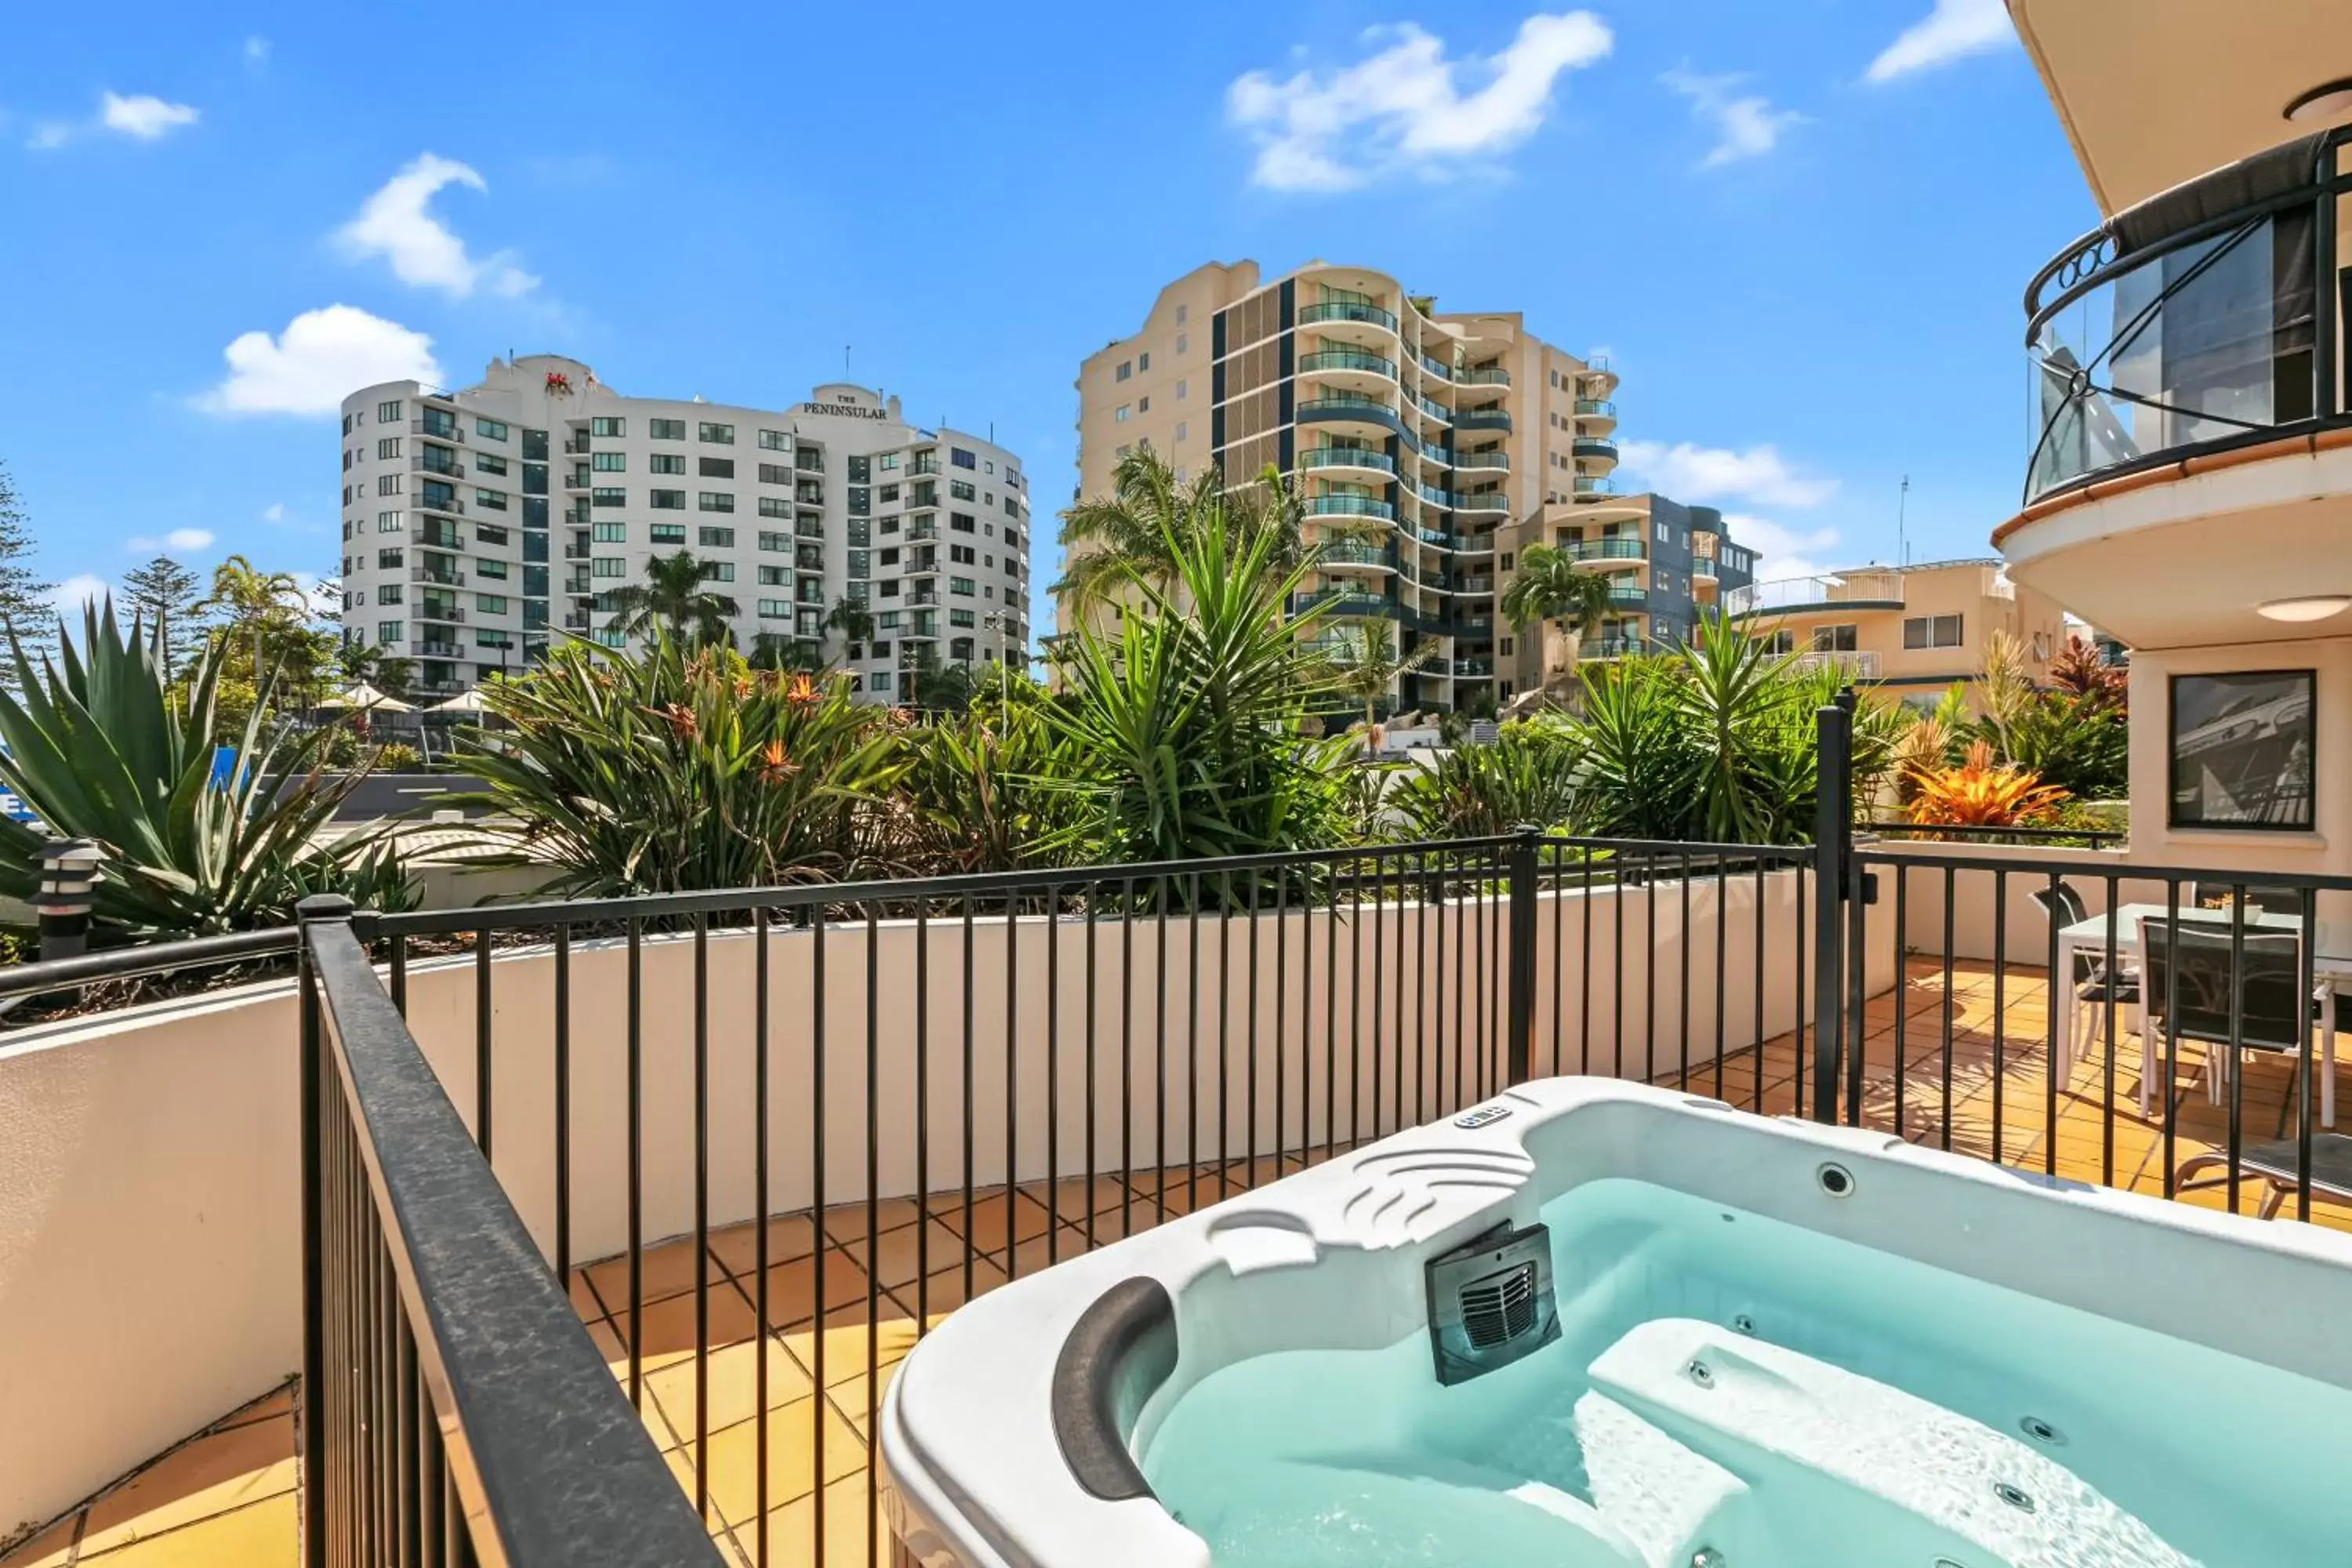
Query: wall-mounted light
[2318,607]
[2325,102]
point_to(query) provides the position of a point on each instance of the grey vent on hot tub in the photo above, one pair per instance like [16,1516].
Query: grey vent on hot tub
[1490,1302]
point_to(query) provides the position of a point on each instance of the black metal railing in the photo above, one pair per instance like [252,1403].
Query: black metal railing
[2203,319]
[2087,838]
[455,1410]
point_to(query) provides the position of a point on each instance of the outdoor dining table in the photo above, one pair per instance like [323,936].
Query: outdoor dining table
[2331,967]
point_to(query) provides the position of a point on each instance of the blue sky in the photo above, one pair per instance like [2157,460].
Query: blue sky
[1801,230]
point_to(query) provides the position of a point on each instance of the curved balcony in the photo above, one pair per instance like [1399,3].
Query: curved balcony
[1497,460]
[1345,601]
[1436,495]
[1597,380]
[1363,414]
[1610,648]
[1336,313]
[1630,598]
[1361,458]
[1482,501]
[1596,450]
[2188,324]
[1594,485]
[1491,376]
[1596,408]
[1838,591]
[1437,367]
[1356,557]
[1347,367]
[1349,506]
[1432,409]
[1483,419]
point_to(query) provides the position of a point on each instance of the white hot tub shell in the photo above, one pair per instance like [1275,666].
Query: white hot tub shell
[1021,1431]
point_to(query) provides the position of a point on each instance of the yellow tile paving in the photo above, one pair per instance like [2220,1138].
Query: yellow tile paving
[227,1498]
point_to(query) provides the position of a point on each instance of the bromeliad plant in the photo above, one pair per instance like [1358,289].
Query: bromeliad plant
[100,746]
[1981,793]
[677,769]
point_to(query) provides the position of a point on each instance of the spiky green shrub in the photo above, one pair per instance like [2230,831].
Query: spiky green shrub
[673,769]
[100,746]
[994,787]
[1524,778]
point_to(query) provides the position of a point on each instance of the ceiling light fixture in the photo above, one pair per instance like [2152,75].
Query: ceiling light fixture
[2325,101]
[2318,607]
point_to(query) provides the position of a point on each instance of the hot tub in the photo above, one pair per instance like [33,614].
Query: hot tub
[1667,1335]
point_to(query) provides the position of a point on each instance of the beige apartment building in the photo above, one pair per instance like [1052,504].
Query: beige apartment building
[1438,443]
[1909,630]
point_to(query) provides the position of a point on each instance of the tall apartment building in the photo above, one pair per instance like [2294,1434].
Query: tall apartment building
[479,523]
[1910,630]
[1435,444]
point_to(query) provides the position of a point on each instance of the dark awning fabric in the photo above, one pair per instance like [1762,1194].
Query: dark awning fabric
[2287,167]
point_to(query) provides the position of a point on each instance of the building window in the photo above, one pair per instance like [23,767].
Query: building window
[962,459]
[608,566]
[667,501]
[609,462]
[1931,631]
[1183,342]
[961,521]
[387,484]
[775,440]
[775,474]
[387,633]
[388,560]
[489,463]
[387,523]
[664,462]
[666,429]
[1182,430]
[780,542]
[775,506]
[666,533]
[715,500]
[608,425]
[775,609]
[718,538]
[962,489]
[1126,369]
[717,435]
[608,495]
[718,571]
[775,578]
[485,567]
[1833,639]
[1118,415]
[1782,641]
[1666,534]
[612,533]
[489,429]
[388,448]
[388,413]
[490,603]
[1143,361]
[963,585]
[715,467]
[389,593]
[489,534]
[962,554]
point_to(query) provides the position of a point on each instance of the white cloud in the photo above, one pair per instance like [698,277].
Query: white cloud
[1688,472]
[257,51]
[143,117]
[395,224]
[1405,107]
[1955,28]
[321,357]
[273,512]
[1745,126]
[68,597]
[1782,552]
[181,539]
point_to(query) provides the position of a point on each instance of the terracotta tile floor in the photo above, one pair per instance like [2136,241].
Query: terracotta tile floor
[227,1496]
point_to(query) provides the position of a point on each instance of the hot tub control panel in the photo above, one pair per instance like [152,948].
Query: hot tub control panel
[1485,1116]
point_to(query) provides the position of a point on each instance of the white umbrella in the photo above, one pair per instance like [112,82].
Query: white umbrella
[463,702]
[363,695]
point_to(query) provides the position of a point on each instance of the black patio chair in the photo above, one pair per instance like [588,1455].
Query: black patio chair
[2275,1165]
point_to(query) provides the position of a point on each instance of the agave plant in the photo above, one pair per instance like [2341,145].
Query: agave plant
[1981,793]
[100,746]
[679,769]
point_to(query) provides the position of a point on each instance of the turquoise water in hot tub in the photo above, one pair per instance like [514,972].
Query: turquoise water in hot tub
[1854,1408]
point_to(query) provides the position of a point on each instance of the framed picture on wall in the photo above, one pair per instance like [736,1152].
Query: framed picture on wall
[2240,749]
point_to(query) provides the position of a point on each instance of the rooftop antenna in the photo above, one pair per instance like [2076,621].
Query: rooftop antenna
[845,361]
[1902,505]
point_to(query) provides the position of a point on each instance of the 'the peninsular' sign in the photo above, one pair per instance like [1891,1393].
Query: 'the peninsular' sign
[845,408]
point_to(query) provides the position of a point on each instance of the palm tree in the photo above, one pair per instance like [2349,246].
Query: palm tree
[1551,590]
[774,650]
[852,619]
[257,602]
[672,596]
[1368,662]
[1133,534]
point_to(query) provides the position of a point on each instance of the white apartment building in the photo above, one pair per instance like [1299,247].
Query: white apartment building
[479,524]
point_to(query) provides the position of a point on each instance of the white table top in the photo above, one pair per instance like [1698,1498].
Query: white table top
[2333,957]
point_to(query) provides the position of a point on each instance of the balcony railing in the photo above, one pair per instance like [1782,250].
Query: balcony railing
[1861,664]
[1599,448]
[1491,376]
[1436,495]
[434,647]
[1482,460]
[450,614]
[1345,457]
[1483,419]
[1344,311]
[1702,567]
[1474,668]
[441,466]
[1595,409]
[1481,500]
[1591,485]
[1437,367]
[439,430]
[1344,602]
[1349,506]
[1611,647]
[1606,550]
[1356,555]
[441,503]
[1629,598]
[432,574]
[2203,319]
[1347,360]
[1851,590]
